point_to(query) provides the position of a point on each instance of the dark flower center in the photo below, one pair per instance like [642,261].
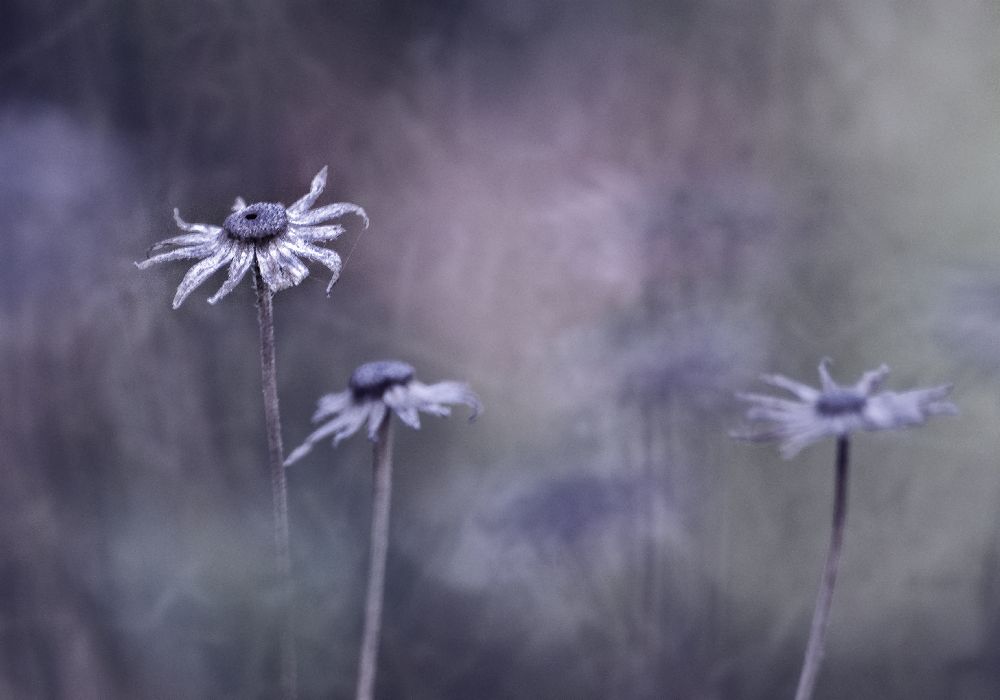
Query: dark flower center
[257,222]
[840,402]
[373,378]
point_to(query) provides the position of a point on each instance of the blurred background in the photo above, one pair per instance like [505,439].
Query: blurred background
[608,218]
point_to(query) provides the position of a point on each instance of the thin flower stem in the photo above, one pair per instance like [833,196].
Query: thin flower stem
[821,615]
[279,489]
[382,491]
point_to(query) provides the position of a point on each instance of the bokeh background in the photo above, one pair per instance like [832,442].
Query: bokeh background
[607,217]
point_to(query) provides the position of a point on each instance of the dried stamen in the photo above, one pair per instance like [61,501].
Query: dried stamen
[840,402]
[373,378]
[257,222]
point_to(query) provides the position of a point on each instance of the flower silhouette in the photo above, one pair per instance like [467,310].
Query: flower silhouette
[837,410]
[263,234]
[376,388]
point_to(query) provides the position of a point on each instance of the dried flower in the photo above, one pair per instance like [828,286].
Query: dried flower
[374,389]
[264,234]
[838,410]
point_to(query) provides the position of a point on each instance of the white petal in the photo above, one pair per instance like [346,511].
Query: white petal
[429,397]
[826,382]
[330,211]
[237,271]
[792,446]
[409,415]
[870,382]
[899,410]
[315,189]
[399,399]
[294,268]
[188,239]
[803,391]
[329,258]
[315,234]
[194,228]
[179,254]
[344,425]
[330,404]
[298,453]
[375,418]
[203,270]
[351,421]
[775,402]
[779,415]
[239,204]
[274,271]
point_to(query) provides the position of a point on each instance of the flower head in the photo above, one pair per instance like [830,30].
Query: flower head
[838,410]
[376,388]
[264,234]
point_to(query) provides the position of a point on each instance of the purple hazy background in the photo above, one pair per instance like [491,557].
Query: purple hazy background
[608,218]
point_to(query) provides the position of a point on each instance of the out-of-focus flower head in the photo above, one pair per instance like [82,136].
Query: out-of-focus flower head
[374,389]
[837,410]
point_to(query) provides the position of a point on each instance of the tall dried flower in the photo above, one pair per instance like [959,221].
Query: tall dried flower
[375,391]
[835,410]
[269,239]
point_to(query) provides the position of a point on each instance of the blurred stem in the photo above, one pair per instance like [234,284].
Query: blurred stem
[279,489]
[821,615]
[382,491]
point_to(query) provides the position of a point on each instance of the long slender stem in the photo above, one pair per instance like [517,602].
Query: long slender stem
[382,491]
[279,489]
[821,615]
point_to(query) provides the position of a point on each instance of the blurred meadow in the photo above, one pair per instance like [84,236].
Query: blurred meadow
[607,218]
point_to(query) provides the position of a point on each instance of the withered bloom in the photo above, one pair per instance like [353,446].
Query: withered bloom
[376,388]
[835,410]
[265,234]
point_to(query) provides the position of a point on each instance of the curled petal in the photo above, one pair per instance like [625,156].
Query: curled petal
[203,270]
[445,393]
[294,268]
[871,381]
[409,415]
[399,399]
[329,258]
[341,427]
[315,190]
[298,453]
[330,211]
[774,402]
[178,254]
[826,381]
[188,239]
[763,413]
[237,271]
[330,404]
[794,444]
[316,234]
[350,421]
[194,228]
[276,272]
[802,391]
[375,418]
[435,409]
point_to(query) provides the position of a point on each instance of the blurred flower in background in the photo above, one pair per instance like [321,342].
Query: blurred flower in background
[837,410]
